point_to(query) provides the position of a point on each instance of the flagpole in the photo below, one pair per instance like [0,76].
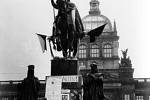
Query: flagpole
[54,13]
[49,38]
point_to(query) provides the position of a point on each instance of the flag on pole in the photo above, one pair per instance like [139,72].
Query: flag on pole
[95,32]
[42,39]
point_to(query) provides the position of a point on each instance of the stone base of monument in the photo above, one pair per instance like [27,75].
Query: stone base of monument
[61,67]
[67,71]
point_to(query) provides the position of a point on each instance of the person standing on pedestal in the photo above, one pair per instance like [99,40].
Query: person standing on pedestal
[93,85]
[29,87]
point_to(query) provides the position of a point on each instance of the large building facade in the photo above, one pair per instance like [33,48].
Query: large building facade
[104,51]
[119,83]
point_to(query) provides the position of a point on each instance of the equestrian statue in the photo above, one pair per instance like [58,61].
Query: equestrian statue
[68,28]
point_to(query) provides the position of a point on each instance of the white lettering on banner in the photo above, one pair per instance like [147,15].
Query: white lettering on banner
[71,78]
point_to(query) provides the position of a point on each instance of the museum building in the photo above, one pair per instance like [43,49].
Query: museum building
[119,83]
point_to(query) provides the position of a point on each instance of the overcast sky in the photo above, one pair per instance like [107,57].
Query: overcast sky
[21,19]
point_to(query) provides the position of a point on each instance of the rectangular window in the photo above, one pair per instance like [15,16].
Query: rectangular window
[139,98]
[94,51]
[107,51]
[126,97]
[82,51]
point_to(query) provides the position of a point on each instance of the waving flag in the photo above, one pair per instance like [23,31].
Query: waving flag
[42,39]
[95,32]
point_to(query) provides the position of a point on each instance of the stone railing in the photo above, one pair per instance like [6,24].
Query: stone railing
[9,90]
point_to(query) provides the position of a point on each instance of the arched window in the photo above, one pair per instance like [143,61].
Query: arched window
[94,51]
[107,51]
[82,51]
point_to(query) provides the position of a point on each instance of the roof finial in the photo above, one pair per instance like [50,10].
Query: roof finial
[115,28]
[94,7]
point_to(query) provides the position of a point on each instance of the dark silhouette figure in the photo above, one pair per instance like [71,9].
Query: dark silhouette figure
[29,87]
[125,61]
[93,85]
[124,53]
[68,27]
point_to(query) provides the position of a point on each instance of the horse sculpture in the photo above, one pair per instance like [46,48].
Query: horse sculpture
[67,28]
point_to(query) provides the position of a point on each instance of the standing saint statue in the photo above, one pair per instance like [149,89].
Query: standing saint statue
[29,87]
[93,85]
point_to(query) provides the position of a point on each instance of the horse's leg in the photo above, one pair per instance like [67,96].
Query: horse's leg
[70,38]
[64,42]
[64,46]
[70,50]
[69,53]
[64,54]
[75,44]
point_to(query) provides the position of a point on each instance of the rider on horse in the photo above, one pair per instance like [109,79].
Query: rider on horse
[67,15]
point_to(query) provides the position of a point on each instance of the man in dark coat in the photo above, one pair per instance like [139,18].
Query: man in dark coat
[29,87]
[93,85]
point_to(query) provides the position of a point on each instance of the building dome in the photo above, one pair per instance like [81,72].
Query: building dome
[95,19]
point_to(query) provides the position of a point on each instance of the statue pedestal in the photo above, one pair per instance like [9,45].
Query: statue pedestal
[60,67]
[68,71]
